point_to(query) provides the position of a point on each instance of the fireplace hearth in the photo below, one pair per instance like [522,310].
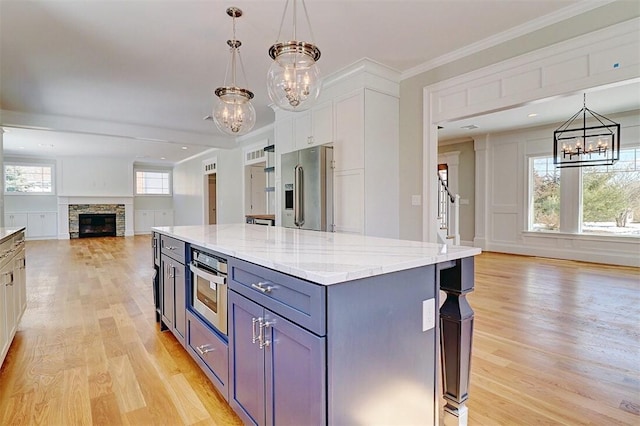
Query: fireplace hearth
[97,225]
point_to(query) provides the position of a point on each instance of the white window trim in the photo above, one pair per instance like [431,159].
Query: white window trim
[29,164]
[153,170]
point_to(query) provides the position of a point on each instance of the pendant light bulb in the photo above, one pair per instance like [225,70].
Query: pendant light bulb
[293,80]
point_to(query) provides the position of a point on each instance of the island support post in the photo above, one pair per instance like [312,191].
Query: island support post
[456,279]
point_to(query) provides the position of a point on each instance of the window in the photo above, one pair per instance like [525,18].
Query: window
[153,182]
[28,178]
[545,195]
[611,196]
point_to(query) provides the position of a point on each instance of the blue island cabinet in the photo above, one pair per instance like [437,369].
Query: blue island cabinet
[173,286]
[277,367]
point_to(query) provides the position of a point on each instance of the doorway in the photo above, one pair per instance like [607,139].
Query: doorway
[255,198]
[212,200]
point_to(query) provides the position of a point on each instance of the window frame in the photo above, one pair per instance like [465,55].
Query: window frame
[14,163]
[152,170]
[530,203]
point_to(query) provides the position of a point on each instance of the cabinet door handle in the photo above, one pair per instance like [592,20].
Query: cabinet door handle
[260,286]
[172,271]
[262,340]
[204,349]
[254,334]
[10,275]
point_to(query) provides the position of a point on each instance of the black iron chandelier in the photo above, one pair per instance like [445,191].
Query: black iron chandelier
[594,142]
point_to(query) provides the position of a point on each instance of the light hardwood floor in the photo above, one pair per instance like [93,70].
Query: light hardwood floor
[556,342]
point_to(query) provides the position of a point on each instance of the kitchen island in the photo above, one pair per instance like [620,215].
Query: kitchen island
[330,328]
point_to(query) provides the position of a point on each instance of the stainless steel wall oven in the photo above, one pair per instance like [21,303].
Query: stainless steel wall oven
[209,288]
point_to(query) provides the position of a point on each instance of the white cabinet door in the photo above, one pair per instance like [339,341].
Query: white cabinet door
[163,218]
[4,333]
[35,225]
[322,123]
[50,224]
[143,220]
[349,201]
[302,130]
[42,224]
[284,135]
[7,281]
[20,284]
[15,220]
[348,147]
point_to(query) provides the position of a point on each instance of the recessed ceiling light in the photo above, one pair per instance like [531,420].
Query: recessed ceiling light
[469,127]
[21,147]
[45,145]
[184,147]
[533,114]
[163,158]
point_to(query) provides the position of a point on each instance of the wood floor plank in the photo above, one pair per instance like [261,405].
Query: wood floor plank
[189,406]
[556,342]
[125,384]
[105,410]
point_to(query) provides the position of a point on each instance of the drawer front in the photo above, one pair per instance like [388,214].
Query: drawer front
[172,247]
[299,301]
[206,347]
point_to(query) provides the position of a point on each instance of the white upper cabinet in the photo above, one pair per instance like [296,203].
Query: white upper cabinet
[302,136]
[322,123]
[299,130]
[284,133]
[349,143]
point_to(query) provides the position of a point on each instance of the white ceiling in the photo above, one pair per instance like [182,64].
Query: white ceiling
[153,65]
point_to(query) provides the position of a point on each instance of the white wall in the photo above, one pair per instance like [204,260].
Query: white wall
[94,177]
[502,212]
[189,180]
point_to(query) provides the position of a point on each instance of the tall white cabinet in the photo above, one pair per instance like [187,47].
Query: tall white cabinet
[358,114]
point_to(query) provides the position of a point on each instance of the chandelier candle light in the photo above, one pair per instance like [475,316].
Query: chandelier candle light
[588,145]
[293,80]
[234,114]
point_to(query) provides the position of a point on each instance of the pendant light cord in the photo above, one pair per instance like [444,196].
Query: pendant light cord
[306,14]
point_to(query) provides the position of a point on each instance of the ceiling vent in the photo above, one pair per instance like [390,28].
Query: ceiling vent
[469,127]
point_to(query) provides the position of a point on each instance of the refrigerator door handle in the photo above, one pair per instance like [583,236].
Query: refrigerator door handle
[298,196]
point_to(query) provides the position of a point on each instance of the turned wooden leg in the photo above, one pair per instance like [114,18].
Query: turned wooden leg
[456,337]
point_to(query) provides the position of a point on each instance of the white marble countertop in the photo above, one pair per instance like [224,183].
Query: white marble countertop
[321,257]
[8,232]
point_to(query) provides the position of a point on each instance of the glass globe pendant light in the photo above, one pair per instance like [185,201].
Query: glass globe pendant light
[233,113]
[293,80]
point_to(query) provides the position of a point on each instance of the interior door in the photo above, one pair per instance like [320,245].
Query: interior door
[258,194]
[213,214]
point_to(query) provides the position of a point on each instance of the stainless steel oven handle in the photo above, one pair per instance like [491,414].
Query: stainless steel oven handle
[221,280]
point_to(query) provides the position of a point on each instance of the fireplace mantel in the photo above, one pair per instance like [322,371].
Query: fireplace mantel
[63,211]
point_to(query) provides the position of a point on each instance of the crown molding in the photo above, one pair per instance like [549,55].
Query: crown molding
[526,28]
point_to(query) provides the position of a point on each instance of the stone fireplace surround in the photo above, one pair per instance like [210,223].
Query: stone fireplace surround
[70,207]
[75,210]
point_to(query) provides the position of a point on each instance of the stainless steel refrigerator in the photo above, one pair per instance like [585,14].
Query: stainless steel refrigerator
[307,189]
